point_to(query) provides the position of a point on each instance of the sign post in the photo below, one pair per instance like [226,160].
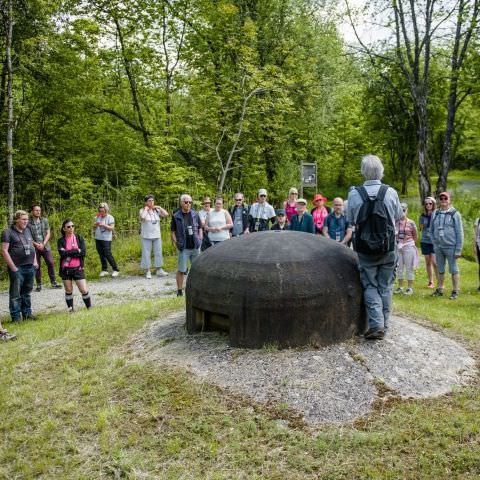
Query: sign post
[308,176]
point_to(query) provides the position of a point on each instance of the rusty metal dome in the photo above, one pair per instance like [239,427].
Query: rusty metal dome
[281,288]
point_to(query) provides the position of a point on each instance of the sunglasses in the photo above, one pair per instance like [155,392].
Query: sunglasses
[239,199]
[262,195]
[69,226]
[187,201]
[428,203]
[443,198]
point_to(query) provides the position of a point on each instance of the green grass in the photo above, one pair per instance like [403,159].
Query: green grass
[75,407]
[460,316]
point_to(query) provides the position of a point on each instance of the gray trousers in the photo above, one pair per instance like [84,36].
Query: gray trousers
[147,245]
[377,275]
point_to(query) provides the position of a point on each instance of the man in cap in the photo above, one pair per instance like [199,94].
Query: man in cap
[302,221]
[261,213]
[281,223]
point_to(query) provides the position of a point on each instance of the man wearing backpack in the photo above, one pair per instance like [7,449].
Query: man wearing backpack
[373,209]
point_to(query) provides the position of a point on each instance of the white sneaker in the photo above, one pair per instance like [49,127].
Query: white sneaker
[115,273]
[148,275]
[103,273]
[398,290]
[409,291]
[161,272]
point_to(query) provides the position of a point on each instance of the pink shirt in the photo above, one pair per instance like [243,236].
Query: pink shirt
[71,243]
[406,231]
[319,216]
[290,210]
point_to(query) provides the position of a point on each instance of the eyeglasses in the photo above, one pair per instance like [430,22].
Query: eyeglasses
[187,201]
[69,226]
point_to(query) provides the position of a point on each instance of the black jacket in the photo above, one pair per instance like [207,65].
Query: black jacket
[245,210]
[72,253]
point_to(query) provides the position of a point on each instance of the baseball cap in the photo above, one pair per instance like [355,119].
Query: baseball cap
[404,206]
[280,211]
[302,200]
[444,194]
[262,191]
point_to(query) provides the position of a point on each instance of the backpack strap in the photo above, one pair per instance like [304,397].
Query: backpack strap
[382,192]
[362,191]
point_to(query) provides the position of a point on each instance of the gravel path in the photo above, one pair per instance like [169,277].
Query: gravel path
[106,291]
[336,384]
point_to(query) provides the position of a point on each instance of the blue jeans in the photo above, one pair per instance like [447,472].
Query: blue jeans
[377,275]
[21,285]
[183,257]
[444,255]
[147,245]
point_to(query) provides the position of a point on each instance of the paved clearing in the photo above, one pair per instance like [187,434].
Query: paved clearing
[336,384]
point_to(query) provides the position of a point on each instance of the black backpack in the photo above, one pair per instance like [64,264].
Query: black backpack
[374,230]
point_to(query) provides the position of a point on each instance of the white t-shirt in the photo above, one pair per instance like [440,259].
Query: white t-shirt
[150,224]
[262,211]
[102,233]
[217,219]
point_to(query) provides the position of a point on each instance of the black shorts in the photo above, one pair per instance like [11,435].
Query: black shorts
[72,273]
[427,248]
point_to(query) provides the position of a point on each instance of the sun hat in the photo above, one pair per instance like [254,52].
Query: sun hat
[318,197]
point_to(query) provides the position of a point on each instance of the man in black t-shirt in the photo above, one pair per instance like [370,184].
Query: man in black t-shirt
[187,236]
[19,254]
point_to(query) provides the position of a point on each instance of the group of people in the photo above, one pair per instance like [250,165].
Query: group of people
[372,218]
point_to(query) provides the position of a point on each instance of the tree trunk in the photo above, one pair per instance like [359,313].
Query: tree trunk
[447,143]
[10,119]
[424,186]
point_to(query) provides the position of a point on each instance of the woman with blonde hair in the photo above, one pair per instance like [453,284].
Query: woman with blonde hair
[426,242]
[104,225]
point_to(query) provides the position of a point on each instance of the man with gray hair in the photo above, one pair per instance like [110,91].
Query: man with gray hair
[187,235]
[373,210]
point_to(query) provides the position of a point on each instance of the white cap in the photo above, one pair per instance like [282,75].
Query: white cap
[262,191]
[302,200]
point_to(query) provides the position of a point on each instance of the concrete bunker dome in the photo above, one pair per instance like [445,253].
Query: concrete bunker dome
[284,288]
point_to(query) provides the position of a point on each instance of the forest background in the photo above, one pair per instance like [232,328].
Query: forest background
[108,100]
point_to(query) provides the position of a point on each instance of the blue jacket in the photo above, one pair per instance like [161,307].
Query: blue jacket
[446,229]
[179,228]
[306,224]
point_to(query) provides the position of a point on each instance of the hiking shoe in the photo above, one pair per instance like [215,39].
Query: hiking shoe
[374,334]
[115,273]
[103,273]
[161,272]
[39,288]
[179,293]
[409,291]
[70,310]
[454,295]
[56,285]
[5,336]
[430,285]
[438,292]
[30,316]
[148,275]
[398,290]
